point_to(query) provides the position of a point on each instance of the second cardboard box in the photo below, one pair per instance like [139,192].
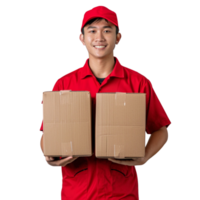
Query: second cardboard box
[120,125]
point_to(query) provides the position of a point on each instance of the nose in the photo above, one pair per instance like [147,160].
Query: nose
[99,36]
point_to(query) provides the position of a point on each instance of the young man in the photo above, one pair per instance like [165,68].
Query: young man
[90,178]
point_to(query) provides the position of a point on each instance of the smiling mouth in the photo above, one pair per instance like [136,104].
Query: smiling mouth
[100,47]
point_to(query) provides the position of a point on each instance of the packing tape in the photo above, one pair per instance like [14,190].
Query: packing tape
[120,98]
[67,148]
[65,99]
[118,151]
[64,91]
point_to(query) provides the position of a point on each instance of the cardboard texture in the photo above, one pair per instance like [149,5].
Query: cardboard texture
[67,123]
[120,125]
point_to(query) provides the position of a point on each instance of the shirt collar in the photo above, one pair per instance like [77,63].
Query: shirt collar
[117,71]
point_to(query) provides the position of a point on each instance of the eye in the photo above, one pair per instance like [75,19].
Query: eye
[92,31]
[107,31]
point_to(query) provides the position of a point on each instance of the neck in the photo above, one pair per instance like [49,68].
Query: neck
[101,67]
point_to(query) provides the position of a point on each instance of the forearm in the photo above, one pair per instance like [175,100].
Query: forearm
[40,143]
[156,142]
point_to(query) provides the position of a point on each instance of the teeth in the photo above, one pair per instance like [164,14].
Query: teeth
[99,46]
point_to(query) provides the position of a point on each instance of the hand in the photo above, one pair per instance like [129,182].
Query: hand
[62,162]
[129,162]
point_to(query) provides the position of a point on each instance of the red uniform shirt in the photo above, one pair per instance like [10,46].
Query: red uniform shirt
[93,178]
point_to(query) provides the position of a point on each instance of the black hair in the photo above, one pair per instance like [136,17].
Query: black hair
[97,19]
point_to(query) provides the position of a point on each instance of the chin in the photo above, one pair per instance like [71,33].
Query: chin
[100,56]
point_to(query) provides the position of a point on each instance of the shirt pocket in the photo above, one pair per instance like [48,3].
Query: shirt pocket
[118,168]
[122,181]
[77,167]
[75,179]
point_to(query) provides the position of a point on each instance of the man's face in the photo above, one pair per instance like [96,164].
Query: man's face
[100,38]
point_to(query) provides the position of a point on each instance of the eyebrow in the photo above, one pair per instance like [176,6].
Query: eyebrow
[96,27]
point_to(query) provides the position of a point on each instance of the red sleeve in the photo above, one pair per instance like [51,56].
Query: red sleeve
[40,128]
[156,116]
[56,86]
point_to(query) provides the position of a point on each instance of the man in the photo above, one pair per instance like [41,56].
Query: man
[90,177]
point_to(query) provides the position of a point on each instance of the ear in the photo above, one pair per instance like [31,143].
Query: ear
[80,39]
[118,38]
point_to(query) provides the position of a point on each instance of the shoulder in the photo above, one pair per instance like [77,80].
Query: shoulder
[136,77]
[67,78]
[70,75]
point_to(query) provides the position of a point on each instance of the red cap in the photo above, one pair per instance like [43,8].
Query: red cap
[100,11]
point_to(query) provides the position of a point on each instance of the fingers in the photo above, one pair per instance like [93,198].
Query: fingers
[65,162]
[49,158]
[62,162]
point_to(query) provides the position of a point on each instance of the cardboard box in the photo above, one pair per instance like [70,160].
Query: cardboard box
[67,123]
[120,125]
